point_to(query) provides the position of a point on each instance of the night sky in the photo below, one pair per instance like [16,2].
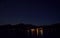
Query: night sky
[36,12]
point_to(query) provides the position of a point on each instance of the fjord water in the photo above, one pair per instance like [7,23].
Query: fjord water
[32,33]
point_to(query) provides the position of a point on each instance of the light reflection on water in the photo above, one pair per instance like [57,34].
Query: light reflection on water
[37,31]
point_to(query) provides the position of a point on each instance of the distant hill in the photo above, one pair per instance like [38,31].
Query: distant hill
[28,26]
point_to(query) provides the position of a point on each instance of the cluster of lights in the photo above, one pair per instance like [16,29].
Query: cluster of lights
[37,31]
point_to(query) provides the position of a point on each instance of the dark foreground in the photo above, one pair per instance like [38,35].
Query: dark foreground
[20,32]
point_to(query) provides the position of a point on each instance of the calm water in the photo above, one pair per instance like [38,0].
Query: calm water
[32,33]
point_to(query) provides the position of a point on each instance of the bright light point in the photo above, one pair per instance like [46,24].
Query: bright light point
[41,32]
[37,31]
[32,30]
